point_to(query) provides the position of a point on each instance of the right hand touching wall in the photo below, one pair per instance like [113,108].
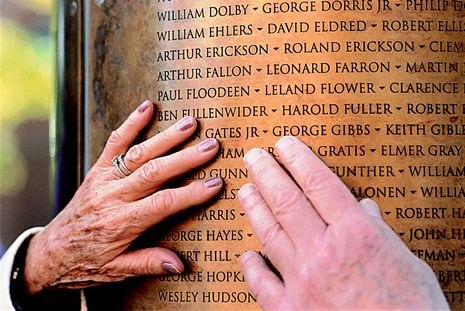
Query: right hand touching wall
[332,251]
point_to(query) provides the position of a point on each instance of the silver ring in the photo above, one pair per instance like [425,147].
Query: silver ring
[118,163]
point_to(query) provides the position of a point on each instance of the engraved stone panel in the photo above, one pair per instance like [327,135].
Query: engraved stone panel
[375,88]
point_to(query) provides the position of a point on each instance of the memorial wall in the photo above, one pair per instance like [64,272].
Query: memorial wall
[375,88]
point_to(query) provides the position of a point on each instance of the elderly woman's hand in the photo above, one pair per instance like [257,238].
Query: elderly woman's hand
[87,243]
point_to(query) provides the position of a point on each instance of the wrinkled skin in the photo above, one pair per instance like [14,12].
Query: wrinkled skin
[86,244]
[332,252]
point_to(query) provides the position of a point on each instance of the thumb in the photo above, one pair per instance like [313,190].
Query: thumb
[149,261]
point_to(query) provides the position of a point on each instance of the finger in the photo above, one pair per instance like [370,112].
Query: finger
[269,232]
[263,283]
[287,202]
[149,261]
[153,209]
[327,193]
[371,208]
[160,144]
[121,138]
[152,175]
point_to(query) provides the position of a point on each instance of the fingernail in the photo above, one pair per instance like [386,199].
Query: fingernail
[246,256]
[247,190]
[170,268]
[253,155]
[212,182]
[144,106]
[286,142]
[208,145]
[185,124]
[370,207]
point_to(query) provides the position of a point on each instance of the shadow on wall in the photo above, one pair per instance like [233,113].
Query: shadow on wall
[31,206]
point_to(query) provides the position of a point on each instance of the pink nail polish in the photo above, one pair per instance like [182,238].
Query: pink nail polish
[212,182]
[144,106]
[184,124]
[208,145]
[170,268]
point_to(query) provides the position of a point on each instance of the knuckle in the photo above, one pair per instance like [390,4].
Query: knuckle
[152,170]
[249,197]
[261,172]
[140,266]
[292,155]
[318,181]
[184,156]
[270,236]
[147,266]
[285,200]
[295,157]
[251,200]
[108,231]
[165,135]
[193,190]
[137,154]
[163,202]
[115,137]
[129,123]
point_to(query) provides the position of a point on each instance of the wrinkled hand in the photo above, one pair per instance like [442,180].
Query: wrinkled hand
[86,244]
[332,252]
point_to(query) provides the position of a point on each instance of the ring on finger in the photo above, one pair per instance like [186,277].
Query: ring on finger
[118,163]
